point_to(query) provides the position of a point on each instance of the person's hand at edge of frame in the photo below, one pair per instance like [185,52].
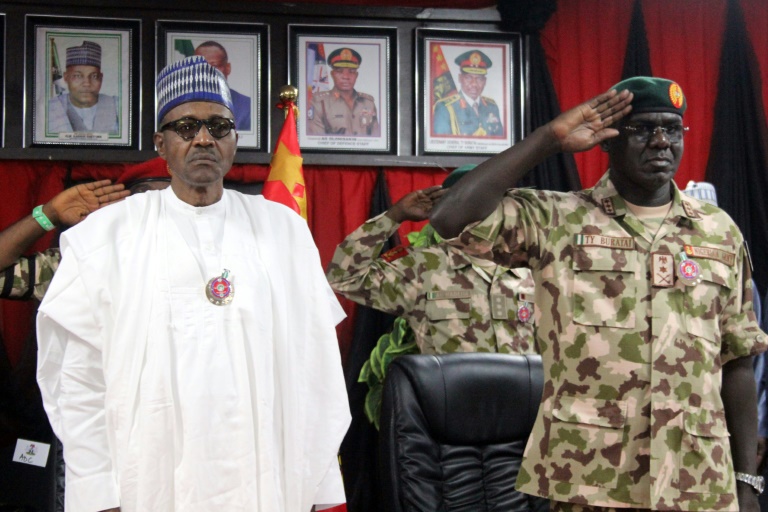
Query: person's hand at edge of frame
[74,204]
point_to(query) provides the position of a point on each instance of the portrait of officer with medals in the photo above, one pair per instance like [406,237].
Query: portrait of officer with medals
[468,112]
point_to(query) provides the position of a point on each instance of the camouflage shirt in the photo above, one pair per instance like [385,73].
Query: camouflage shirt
[631,413]
[30,276]
[450,304]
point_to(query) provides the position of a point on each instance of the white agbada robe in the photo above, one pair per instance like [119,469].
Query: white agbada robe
[166,402]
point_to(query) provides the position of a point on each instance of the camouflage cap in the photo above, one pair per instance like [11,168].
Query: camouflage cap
[456,175]
[654,95]
[474,62]
[345,58]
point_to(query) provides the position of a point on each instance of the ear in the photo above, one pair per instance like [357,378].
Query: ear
[606,145]
[159,140]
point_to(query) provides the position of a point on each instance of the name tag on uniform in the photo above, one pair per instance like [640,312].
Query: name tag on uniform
[449,294]
[612,242]
[710,253]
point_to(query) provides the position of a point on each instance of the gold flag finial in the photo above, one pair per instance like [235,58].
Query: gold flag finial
[288,95]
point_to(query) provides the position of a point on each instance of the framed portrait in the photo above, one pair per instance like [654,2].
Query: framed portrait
[82,79]
[239,51]
[470,96]
[345,76]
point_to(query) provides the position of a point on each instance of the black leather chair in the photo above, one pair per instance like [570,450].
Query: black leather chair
[453,431]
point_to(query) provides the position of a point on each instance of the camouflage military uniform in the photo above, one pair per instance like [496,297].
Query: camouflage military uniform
[631,414]
[30,276]
[449,304]
[329,114]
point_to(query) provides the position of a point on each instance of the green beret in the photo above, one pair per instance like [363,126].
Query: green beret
[457,174]
[654,95]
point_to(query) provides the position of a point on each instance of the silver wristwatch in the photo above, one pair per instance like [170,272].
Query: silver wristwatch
[757,482]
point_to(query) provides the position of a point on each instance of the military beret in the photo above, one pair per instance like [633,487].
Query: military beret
[474,62]
[456,175]
[654,95]
[344,58]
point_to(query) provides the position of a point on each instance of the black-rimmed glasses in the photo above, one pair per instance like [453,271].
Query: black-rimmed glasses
[643,132]
[188,127]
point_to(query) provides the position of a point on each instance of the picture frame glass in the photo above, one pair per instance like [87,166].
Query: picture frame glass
[237,54]
[344,87]
[83,81]
[470,95]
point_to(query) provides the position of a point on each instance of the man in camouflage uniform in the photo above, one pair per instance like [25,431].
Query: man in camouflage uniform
[468,112]
[453,302]
[25,277]
[343,110]
[644,312]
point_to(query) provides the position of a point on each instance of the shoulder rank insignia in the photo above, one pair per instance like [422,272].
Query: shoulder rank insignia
[395,254]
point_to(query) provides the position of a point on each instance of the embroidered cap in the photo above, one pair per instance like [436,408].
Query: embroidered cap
[702,190]
[474,62]
[653,94]
[87,54]
[345,58]
[190,79]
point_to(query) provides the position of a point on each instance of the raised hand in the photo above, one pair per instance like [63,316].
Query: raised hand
[417,205]
[589,124]
[76,203]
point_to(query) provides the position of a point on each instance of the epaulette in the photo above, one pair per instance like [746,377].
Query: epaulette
[450,100]
[489,100]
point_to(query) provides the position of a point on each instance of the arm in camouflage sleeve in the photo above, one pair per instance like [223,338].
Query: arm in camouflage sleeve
[358,273]
[475,196]
[66,208]
[29,276]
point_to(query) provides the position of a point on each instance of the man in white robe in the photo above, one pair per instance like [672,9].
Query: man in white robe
[188,358]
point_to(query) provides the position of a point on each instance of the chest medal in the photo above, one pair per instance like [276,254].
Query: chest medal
[688,271]
[220,290]
[524,312]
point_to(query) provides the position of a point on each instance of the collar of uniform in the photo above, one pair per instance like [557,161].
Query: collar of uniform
[613,205]
[458,259]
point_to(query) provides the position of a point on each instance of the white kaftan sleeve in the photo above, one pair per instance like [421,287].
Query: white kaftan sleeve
[71,380]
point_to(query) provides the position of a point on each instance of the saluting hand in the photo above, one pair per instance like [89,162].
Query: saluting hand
[588,124]
[416,205]
[74,204]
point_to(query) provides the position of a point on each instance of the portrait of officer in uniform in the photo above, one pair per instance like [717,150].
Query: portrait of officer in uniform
[83,108]
[343,110]
[468,112]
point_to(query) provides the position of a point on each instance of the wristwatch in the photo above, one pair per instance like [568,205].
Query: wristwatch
[757,482]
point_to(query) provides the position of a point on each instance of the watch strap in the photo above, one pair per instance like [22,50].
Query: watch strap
[756,482]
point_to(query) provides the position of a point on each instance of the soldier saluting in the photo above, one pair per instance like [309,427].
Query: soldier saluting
[343,110]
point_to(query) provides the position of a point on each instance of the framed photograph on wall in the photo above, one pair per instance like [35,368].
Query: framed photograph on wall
[240,52]
[470,93]
[347,97]
[82,81]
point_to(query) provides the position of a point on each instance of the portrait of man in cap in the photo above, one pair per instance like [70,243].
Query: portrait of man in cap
[343,110]
[468,112]
[217,56]
[82,108]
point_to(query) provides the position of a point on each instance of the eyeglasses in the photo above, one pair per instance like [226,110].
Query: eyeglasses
[188,127]
[643,132]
